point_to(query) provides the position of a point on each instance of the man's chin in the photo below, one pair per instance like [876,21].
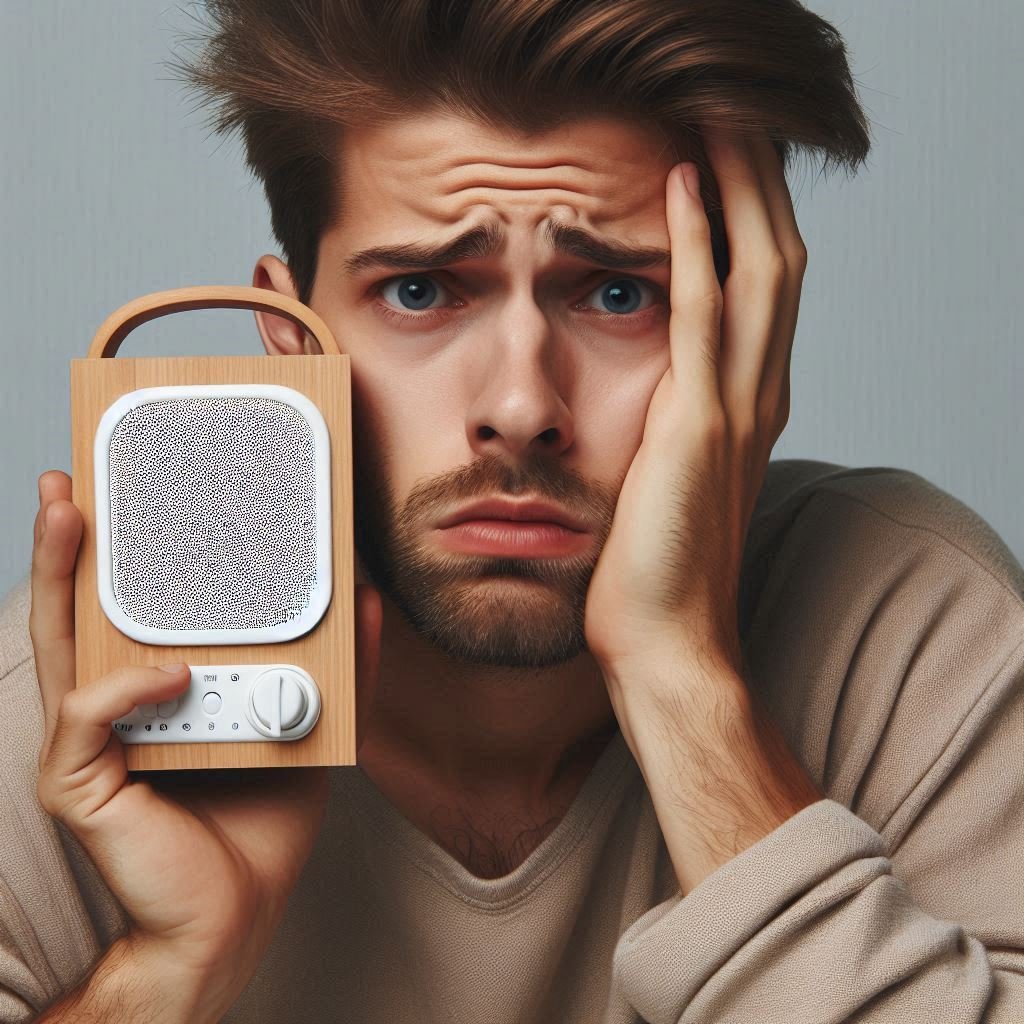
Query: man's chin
[513,622]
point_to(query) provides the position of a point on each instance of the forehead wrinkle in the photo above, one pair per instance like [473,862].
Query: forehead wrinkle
[489,238]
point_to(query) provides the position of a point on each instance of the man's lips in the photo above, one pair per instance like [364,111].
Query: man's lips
[515,538]
[531,511]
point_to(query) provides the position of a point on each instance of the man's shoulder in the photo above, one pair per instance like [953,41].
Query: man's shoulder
[15,641]
[880,613]
[821,503]
[22,729]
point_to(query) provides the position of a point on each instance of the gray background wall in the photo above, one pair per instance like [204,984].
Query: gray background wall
[907,350]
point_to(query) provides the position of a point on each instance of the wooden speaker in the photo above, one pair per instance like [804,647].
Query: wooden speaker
[216,494]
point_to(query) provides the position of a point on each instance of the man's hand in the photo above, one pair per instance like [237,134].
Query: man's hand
[201,861]
[668,575]
[661,613]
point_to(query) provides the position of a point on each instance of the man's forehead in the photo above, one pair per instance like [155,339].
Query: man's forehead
[592,190]
[439,143]
[436,169]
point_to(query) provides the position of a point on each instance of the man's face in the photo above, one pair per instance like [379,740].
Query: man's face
[523,373]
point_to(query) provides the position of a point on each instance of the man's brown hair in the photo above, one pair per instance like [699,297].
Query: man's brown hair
[292,74]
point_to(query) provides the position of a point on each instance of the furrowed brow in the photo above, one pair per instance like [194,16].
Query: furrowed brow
[472,244]
[488,239]
[606,252]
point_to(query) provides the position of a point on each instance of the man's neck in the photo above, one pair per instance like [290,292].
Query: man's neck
[489,836]
[499,753]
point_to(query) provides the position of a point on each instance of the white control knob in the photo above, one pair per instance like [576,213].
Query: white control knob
[278,701]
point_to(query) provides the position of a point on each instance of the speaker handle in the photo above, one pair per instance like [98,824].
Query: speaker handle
[123,321]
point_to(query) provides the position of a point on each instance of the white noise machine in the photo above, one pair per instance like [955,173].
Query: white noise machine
[216,493]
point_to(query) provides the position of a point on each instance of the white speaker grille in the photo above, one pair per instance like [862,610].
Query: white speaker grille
[213,513]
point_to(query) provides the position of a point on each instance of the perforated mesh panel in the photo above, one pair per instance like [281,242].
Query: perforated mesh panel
[213,513]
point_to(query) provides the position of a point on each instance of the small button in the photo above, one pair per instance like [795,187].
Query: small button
[211,703]
[167,708]
[148,710]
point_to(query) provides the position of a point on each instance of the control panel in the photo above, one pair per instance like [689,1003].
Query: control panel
[229,704]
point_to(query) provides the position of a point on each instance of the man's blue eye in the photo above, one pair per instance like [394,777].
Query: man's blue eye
[418,290]
[621,295]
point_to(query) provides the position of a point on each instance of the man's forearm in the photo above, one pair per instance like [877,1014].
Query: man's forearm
[131,984]
[718,769]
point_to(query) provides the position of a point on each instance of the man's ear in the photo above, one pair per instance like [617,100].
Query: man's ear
[281,337]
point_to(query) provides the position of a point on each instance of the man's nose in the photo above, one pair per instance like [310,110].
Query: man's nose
[526,378]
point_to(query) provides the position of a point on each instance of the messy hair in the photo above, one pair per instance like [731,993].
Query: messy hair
[291,75]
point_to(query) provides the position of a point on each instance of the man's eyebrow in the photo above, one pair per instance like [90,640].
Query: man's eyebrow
[487,239]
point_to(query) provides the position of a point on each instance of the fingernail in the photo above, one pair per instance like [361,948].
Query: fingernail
[180,667]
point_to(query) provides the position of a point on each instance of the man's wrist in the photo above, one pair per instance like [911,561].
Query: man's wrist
[139,982]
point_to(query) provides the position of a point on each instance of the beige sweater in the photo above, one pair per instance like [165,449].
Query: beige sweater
[883,621]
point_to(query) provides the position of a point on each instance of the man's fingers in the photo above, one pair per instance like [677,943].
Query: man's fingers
[84,718]
[695,299]
[58,533]
[53,484]
[53,563]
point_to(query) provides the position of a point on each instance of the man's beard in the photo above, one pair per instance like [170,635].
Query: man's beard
[483,609]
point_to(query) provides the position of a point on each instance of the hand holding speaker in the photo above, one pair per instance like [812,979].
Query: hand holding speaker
[202,862]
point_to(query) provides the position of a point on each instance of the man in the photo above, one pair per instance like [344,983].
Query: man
[731,731]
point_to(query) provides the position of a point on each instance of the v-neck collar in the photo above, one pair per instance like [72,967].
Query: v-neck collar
[606,779]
